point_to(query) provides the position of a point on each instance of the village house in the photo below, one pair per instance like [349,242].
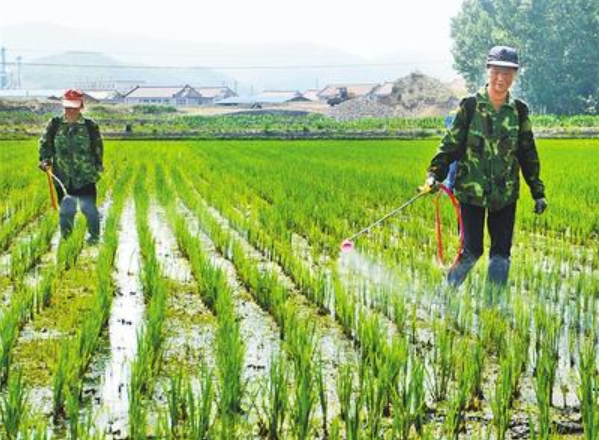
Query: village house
[212,94]
[177,96]
[353,90]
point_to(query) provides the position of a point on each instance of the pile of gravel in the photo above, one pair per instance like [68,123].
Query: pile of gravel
[360,108]
[413,95]
[418,94]
[35,106]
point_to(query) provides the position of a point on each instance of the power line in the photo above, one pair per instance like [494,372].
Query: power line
[185,54]
[224,68]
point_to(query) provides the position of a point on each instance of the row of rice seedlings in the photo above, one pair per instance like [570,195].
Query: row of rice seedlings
[502,399]
[548,328]
[230,355]
[190,408]
[271,295]
[75,354]
[265,287]
[230,348]
[308,380]
[378,383]
[464,322]
[18,196]
[587,392]
[496,334]
[13,407]
[469,376]
[300,345]
[26,254]
[33,207]
[543,391]
[317,287]
[442,360]
[274,408]
[370,333]
[395,388]
[13,175]
[279,251]
[146,365]
[27,300]
[371,336]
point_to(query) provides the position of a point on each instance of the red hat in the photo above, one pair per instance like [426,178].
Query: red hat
[72,99]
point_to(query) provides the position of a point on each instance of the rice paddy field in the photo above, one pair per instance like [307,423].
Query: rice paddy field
[218,305]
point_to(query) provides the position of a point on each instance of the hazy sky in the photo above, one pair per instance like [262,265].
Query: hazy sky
[368,28]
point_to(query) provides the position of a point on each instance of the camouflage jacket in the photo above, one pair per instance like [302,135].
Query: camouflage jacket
[490,149]
[75,150]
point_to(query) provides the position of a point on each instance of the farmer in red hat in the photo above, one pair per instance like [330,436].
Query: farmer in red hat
[71,149]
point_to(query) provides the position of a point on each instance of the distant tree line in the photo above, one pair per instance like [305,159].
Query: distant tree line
[558,45]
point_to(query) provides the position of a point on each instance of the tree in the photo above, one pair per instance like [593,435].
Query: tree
[557,42]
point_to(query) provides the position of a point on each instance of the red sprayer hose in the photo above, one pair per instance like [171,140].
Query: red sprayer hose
[51,186]
[456,206]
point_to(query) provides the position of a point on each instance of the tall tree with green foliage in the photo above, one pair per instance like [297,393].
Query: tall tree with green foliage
[557,41]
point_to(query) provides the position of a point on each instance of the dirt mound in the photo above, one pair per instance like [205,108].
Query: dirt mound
[26,106]
[421,95]
[415,95]
[363,107]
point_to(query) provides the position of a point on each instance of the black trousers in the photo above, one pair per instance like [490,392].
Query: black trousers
[500,225]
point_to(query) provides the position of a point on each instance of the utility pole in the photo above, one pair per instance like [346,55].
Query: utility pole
[3,77]
[19,60]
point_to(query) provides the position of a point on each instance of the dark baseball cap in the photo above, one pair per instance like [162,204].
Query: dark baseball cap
[503,56]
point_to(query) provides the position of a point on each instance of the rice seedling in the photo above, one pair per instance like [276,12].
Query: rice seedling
[276,404]
[176,404]
[456,404]
[199,406]
[73,407]
[137,416]
[476,367]
[587,370]
[441,360]
[300,346]
[351,402]
[230,354]
[543,393]
[322,396]
[26,254]
[548,327]
[501,403]
[13,406]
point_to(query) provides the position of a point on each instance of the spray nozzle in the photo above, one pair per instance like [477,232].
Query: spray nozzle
[347,246]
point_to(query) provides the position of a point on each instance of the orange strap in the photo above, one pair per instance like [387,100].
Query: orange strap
[456,206]
[52,195]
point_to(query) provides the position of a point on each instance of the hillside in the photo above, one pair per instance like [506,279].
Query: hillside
[62,76]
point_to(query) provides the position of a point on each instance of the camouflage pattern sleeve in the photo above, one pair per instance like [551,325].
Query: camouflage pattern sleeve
[46,143]
[451,146]
[98,147]
[528,158]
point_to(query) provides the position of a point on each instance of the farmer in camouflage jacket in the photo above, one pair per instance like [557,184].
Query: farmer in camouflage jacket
[491,139]
[71,147]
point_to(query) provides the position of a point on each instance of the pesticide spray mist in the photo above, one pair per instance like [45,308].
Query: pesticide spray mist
[365,273]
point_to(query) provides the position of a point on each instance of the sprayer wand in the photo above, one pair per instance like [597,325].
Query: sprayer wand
[51,176]
[348,243]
